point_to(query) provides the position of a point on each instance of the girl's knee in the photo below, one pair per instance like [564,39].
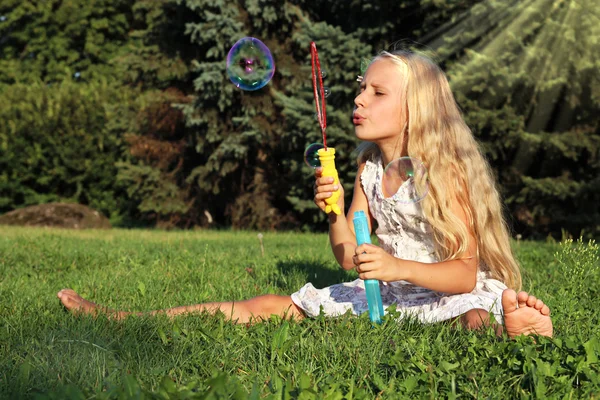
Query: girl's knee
[270,304]
[475,318]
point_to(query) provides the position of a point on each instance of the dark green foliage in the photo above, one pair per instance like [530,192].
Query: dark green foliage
[155,176]
[53,39]
[386,24]
[528,78]
[158,53]
[250,144]
[58,143]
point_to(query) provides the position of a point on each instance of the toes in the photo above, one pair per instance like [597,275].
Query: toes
[538,305]
[545,310]
[509,301]
[66,292]
[522,299]
[70,298]
[531,301]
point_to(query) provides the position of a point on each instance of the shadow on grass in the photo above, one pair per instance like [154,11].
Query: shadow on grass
[317,273]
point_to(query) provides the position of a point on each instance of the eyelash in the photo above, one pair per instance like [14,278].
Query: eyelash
[376,93]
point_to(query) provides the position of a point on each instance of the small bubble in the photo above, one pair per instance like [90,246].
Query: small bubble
[405,180]
[326,91]
[323,74]
[311,157]
[2,17]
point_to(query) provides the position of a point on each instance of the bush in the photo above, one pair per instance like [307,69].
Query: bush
[59,143]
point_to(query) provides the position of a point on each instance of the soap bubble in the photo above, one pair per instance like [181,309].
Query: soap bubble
[326,91]
[405,180]
[310,155]
[250,65]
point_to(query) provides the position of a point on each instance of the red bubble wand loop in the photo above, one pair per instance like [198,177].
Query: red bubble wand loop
[326,156]
[318,90]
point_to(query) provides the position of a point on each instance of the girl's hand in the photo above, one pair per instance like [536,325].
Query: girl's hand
[324,188]
[372,262]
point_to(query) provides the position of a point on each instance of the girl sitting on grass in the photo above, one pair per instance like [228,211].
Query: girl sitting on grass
[445,258]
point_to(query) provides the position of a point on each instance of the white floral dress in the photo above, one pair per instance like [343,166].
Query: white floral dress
[402,231]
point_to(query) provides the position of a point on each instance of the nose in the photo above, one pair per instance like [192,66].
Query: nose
[359,100]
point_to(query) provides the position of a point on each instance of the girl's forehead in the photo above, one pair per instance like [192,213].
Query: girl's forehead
[383,71]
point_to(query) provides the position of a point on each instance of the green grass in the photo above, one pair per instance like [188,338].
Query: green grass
[46,352]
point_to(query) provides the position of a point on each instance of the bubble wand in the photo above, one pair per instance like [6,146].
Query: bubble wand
[326,155]
[361,230]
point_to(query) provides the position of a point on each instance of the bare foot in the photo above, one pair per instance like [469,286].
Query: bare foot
[78,305]
[525,315]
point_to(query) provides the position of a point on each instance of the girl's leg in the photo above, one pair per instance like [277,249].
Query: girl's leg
[479,318]
[523,315]
[257,308]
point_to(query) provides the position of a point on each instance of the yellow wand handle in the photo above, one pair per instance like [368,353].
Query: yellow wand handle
[327,159]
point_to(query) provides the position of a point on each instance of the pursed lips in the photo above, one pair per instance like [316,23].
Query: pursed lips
[357,118]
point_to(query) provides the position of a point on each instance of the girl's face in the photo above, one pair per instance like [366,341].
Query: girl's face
[378,116]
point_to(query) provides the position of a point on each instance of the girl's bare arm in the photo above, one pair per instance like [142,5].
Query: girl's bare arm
[341,228]
[454,276]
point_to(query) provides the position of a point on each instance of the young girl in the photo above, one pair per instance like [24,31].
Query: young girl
[444,258]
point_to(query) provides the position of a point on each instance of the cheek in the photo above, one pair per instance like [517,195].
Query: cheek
[393,116]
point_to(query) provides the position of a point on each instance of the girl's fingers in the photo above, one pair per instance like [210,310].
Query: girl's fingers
[366,275]
[367,261]
[366,248]
[324,180]
[363,258]
[323,196]
[326,188]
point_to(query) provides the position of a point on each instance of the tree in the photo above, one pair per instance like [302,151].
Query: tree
[250,145]
[53,39]
[157,62]
[527,75]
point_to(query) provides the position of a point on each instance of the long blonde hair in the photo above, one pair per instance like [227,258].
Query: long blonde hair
[439,137]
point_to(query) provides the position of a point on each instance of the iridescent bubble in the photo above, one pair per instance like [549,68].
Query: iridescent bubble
[405,180]
[326,91]
[250,65]
[310,155]
[323,74]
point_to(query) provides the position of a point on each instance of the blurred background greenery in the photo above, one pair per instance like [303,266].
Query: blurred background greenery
[125,105]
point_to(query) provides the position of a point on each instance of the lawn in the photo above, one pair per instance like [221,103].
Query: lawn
[46,352]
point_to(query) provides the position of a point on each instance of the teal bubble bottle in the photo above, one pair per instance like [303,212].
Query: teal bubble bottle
[361,229]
